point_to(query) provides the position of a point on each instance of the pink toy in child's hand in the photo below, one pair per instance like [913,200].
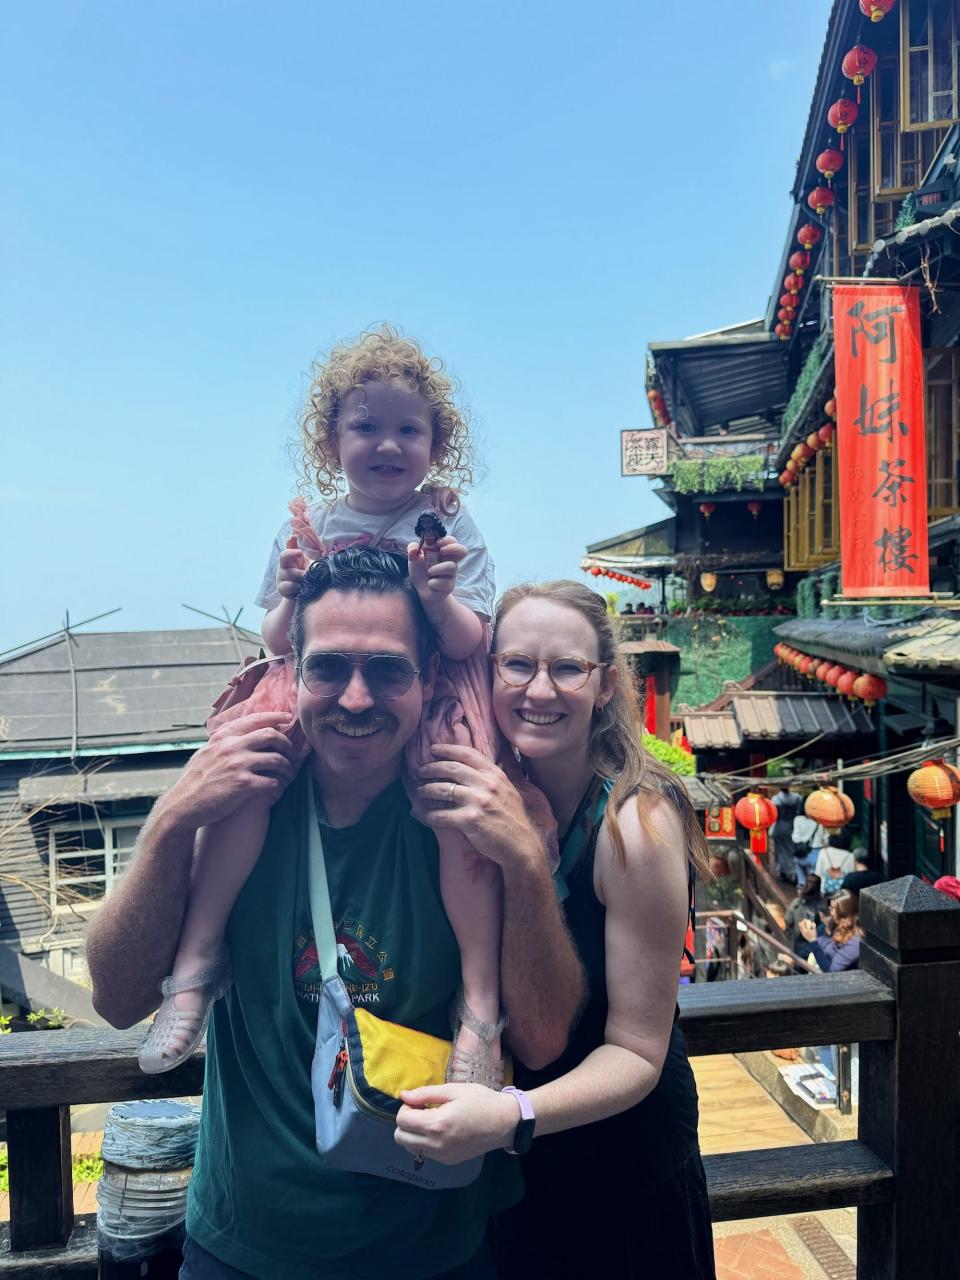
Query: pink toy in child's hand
[429,529]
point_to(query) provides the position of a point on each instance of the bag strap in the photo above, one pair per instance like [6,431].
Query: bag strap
[319,891]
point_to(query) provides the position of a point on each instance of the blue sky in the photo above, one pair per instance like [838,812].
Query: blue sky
[202,197]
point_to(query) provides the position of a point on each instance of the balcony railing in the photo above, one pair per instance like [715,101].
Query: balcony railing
[902,1173]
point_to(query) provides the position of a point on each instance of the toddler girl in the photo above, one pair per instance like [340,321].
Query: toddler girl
[381,415]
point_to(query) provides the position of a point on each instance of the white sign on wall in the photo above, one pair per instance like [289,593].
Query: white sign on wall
[643,453]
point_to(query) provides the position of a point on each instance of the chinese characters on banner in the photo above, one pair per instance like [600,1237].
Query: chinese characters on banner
[719,823]
[643,453]
[882,458]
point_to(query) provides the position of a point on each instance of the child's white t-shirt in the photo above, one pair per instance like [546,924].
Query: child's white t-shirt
[338,526]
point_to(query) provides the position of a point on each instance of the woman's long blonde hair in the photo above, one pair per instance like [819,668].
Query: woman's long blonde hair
[616,733]
[846,917]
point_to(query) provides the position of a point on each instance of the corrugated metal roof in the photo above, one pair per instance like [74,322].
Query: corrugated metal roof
[798,715]
[712,730]
[704,793]
[117,688]
[930,643]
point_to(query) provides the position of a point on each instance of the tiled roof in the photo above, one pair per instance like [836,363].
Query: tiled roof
[934,647]
[798,715]
[712,730]
[704,793]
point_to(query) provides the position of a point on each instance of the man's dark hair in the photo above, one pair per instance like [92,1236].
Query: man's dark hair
[838,839]
[362,569]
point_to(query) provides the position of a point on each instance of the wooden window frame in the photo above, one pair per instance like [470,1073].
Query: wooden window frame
[948,467]
[905,50]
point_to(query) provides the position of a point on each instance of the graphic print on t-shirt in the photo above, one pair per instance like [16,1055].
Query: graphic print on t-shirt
[361,962]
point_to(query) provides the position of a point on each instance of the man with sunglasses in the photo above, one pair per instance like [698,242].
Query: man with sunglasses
[262,1201]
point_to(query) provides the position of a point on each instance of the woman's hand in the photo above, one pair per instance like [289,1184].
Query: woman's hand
[468,793]
[808,930]
[455,1122]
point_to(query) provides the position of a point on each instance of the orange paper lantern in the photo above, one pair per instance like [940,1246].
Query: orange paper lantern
[870,688]
[830,807]
[935,786]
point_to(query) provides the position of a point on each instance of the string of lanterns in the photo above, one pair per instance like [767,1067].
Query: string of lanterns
[858,63]
[625,578]
[854,685]
[802,453]
[658,407]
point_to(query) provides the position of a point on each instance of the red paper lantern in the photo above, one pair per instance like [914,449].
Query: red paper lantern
[845,684]
[808,236]
[826,433]
[791,464]
[829,162]
[806,667]
[754,508]
[833,675]
[814,441]
[785,478]
[799,261]
[858,64]
[806,453]
[757,814]
[876,10]
[820,199]
[821,669]
[707,509]
[793,283]
[789,301]
[841,116]
[870,688]
[785,315]
[783,331]
[830,807]
[595,571]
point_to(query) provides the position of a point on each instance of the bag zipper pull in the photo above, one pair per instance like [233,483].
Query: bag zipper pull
[338,1074]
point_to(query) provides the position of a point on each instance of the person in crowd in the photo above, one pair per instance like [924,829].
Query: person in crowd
[834,861]
[787,804]
[263,1203]
[614,1120]
[807,905]
[839,948]
[862,876]
[627,611]
[808,837]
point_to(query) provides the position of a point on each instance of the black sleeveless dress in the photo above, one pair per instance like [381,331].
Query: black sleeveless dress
[626,1196]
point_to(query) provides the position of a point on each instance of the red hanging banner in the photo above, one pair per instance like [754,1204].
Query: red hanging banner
[882,458]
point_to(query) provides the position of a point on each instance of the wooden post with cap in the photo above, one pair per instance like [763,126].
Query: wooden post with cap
[910,1086]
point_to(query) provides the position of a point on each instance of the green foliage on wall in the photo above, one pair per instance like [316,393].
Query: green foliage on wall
[679,761]
[907,215]
[711,475]
[716,649]
[829,586]
[806,598]
[805,382]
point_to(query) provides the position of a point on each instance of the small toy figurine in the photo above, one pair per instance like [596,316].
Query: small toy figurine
[429,529]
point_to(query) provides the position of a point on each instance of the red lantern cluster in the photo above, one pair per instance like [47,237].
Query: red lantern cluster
[658,407]
[857,686]
[626,578]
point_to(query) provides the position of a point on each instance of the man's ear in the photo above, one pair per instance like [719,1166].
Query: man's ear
[428,676]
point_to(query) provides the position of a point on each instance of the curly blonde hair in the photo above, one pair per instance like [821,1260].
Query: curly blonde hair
[382,354]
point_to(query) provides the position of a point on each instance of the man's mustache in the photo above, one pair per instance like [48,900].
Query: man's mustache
[345,720]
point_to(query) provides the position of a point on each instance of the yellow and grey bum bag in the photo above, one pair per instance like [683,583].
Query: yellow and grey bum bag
[362,1062]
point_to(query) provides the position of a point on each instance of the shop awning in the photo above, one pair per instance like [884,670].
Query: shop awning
[100,786]
[934,647]
[652,547]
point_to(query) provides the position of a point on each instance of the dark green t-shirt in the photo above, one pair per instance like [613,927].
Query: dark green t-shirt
[261,1197]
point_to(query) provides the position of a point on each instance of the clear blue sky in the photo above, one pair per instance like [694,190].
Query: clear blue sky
[201,197]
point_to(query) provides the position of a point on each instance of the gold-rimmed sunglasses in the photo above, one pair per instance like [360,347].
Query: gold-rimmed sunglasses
[567,675]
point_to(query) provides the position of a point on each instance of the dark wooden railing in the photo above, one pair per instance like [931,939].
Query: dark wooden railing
[902,1173]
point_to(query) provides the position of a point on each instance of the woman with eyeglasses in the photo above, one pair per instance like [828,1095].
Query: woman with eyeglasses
[608,1133]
